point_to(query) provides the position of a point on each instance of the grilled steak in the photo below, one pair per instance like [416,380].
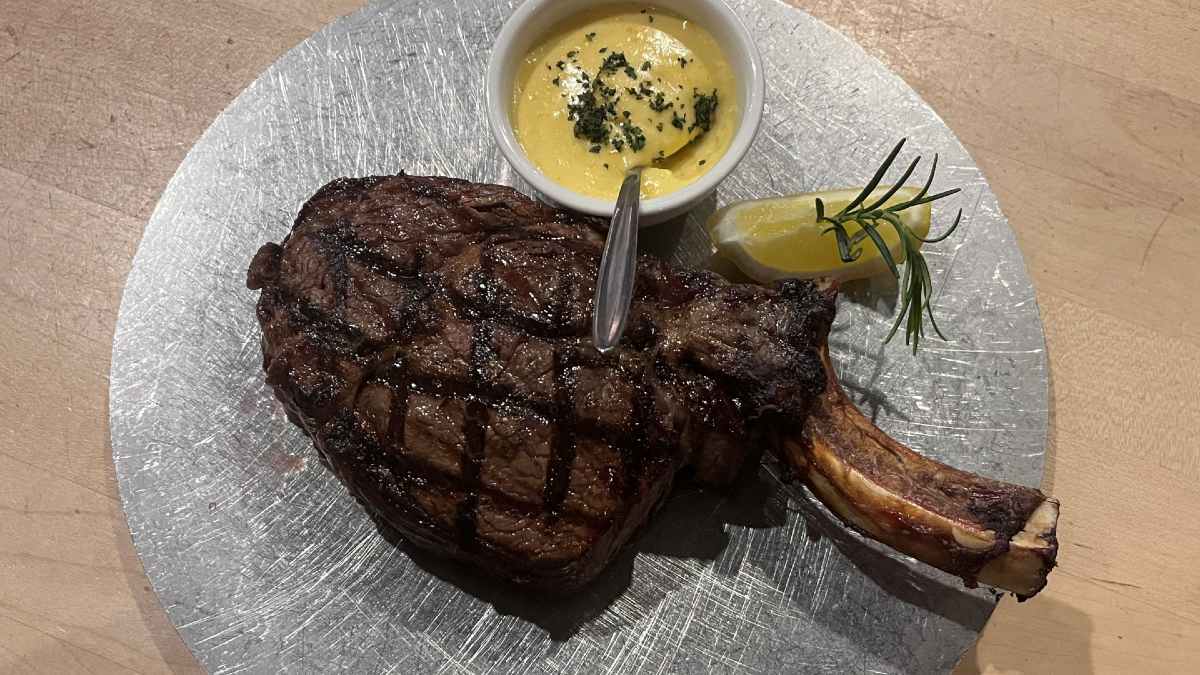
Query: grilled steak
[432,337]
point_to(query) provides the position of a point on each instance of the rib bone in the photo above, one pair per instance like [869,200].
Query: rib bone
[977,528]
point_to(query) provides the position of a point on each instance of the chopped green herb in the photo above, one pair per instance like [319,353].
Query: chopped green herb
[561,65]
[603,49]
[703,162]
[651,18]
[572,54]
[614,62]
[706,109]
[590,36]
[634,136]
[596,116]
[659,103]
[589,115]
[557,81]
[645,66]
[683,62]
[678,120]
[606,167]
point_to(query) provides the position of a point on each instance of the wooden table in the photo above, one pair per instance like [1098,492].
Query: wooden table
[1084,115]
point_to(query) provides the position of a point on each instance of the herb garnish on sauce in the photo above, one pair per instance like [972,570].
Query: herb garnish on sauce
[594,109]
[706,109]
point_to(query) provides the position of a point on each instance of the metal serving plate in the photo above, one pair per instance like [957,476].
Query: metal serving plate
[265,564]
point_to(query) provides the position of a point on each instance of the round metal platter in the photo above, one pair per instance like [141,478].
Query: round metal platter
[265,564]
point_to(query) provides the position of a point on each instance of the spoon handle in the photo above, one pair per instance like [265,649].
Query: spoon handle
[614,285]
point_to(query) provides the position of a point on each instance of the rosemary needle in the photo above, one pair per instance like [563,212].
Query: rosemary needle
[916,285]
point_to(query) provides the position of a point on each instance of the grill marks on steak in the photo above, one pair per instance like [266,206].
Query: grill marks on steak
[430,335]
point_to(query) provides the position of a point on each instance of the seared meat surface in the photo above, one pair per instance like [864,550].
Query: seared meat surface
[432,337]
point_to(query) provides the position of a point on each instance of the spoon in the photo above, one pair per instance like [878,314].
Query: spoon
[614,284]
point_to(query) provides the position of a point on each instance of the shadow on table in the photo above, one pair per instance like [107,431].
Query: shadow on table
[1070,646]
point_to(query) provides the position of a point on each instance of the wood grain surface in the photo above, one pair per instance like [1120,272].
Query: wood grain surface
[1084,115]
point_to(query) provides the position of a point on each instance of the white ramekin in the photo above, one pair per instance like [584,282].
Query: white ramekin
[535,18]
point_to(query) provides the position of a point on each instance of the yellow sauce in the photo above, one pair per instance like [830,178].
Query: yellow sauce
[624,86]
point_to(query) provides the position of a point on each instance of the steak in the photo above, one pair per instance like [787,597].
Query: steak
[432,337]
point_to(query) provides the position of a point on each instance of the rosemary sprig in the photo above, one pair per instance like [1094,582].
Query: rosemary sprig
[916,286]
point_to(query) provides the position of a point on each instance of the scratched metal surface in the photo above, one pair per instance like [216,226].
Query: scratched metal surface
[265,564]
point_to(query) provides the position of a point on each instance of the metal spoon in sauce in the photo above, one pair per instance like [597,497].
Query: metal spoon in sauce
[618,265]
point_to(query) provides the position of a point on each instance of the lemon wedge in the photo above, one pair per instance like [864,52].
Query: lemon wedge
[780,238]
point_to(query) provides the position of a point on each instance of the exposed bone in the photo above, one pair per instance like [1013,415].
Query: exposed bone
[977,528]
